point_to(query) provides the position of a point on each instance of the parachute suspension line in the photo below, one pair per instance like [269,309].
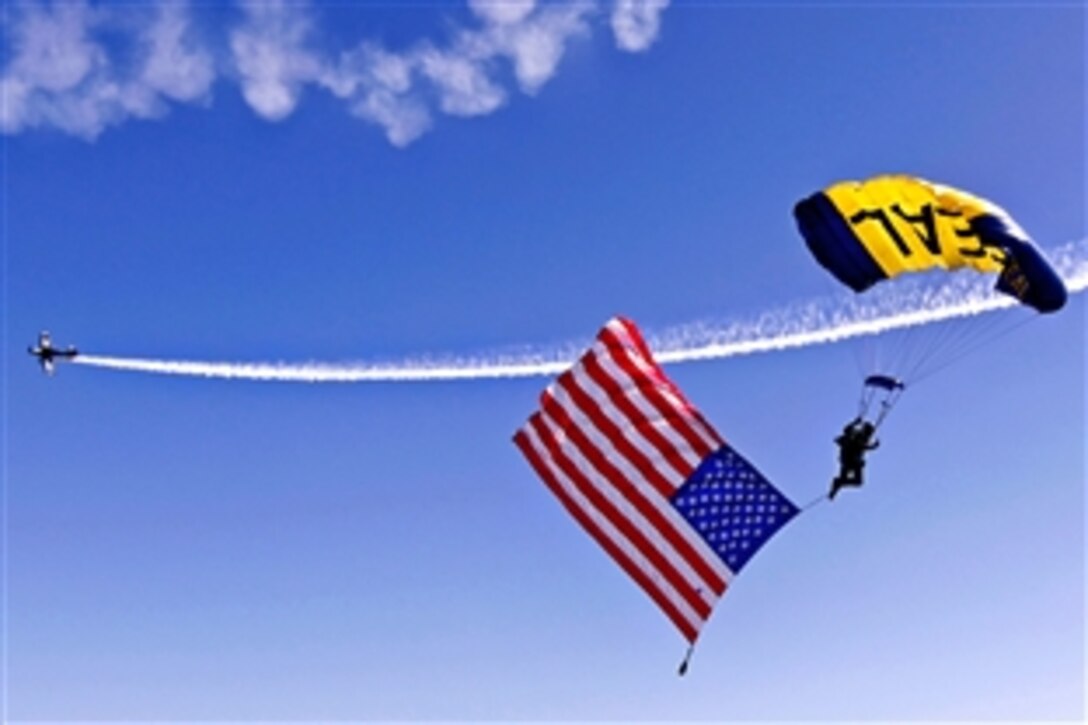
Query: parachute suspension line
[954,337]
[915,357]
[865,401]
[942,337]
[999,326]
[931,347]
[936,344]
[865,348]
[958,336]
[975,346]
[863,351]
[903,348]
[886,406]
[876,354]
[915,354]
[863,356]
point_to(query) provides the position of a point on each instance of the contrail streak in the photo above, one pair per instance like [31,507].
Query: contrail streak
[814,323]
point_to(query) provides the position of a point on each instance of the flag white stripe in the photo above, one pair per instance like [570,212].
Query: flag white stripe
[679,526]
[606,526]
[626,509]
[682,410]
[648,370]
[628,429]
[632,473]
[630,391]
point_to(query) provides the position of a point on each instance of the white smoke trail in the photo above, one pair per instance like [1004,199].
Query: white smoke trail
[817,322]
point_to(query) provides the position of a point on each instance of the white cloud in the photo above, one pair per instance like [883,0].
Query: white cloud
[175,66]
[393,89]
[271,57]
[404,120]
[52,51]
[637,23]
[537,45]
[60,76]
[463,85]
[378,88]
[79,66]
[503,12]
[51,58]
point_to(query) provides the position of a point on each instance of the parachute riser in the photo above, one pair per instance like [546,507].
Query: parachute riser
[886,406]
[869,398]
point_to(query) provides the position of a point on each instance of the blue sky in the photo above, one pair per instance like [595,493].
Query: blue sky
[343,182]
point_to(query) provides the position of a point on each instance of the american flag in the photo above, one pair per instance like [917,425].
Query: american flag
[646,476]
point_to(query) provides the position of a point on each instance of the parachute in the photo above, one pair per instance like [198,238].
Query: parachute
[867,233]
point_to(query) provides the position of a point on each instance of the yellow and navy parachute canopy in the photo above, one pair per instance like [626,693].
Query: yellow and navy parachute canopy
[864,232]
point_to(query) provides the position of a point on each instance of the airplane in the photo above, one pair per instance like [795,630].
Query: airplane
[47,354]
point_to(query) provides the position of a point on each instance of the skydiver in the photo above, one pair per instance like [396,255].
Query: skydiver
[856,438]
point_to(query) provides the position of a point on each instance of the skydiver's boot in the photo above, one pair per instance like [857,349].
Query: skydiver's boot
[836,484]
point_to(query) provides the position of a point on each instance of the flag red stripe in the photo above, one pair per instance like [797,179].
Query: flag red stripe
[633,389]
[587,405]
[640,343]
[617,554]
[614,390]
[591,454]
[676,417]
[635,336]
[649,509]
